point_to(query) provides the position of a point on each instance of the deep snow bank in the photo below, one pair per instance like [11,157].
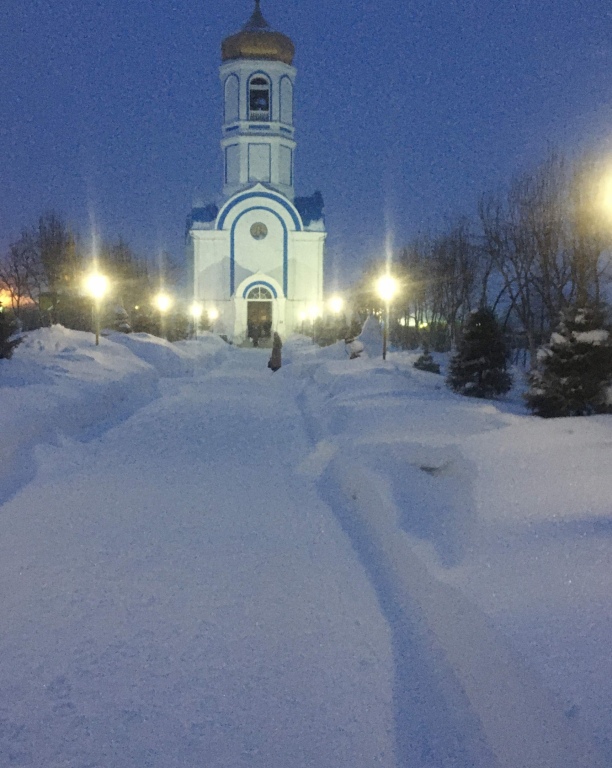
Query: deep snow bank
[420,478]
[59,384]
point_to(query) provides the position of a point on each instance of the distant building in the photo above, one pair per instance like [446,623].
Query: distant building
[258,256]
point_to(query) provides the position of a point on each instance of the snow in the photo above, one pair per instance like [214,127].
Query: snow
[339,564]
[596,337]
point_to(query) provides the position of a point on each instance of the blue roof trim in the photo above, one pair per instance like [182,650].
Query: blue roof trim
[205,213]
[310,208]
[265,195]
[260,282]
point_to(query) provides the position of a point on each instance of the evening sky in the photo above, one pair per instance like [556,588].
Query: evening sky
[405,111]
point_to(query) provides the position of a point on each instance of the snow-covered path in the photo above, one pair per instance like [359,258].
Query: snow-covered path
[177,595]
[227,567]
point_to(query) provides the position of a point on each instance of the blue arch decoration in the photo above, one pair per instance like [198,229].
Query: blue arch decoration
[225,82]
[280,99]
[233,246]
[254,284]
[283,202]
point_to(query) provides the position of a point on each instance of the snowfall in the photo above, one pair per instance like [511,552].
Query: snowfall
[205,564]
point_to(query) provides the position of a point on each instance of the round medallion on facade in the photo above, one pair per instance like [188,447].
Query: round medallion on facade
[259,230]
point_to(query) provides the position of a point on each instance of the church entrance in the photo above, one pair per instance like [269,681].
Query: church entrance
[259,315]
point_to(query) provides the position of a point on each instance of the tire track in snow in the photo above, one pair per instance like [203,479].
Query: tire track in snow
[434,724]
[468,701]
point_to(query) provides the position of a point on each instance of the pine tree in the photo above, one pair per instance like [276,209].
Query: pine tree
[7,328]
[575,369]
[478,369]
[426,362]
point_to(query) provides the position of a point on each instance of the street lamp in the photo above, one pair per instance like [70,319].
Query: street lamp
[314,312]
[196,314]
[96,286]
[163,302]
[387,288]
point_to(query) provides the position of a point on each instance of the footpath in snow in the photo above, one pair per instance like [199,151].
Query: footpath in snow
[203,563]
[174,595]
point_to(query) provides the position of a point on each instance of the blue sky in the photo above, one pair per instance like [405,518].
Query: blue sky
[406,112]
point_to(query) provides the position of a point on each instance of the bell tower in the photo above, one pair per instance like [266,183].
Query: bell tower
[258,80]
[257,251]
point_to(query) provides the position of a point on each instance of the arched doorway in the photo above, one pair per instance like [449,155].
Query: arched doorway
[259,313]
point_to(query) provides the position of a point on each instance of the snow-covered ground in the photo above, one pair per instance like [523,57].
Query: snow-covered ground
[341,564]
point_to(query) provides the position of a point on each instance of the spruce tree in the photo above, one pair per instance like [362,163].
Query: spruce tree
[478,369]
[575,369]
[7,328]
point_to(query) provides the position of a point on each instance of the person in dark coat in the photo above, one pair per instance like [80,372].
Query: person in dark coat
[275,359]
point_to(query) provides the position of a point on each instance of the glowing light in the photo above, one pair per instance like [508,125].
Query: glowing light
[213,313]
[336,304]
[605,193]
[386,287]
[314,312]
[96,285]
[303,316]
[196,310]
[163,302]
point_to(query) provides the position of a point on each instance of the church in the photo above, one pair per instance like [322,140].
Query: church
[257,253]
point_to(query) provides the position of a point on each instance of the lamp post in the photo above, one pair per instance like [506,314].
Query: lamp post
[314,312]
[163,302]
[387,288]
[213,316]
[196,314]
[336,306]
[96,286]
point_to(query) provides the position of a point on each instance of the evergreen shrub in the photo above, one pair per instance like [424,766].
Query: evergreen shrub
[478,368]
[574,372]
[7,328]
[426,362]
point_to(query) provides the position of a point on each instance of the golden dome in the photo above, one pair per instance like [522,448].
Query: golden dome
[257,40]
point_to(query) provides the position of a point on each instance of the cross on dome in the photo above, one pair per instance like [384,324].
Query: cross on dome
[257,20]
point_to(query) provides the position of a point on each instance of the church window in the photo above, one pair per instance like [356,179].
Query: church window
[259,98]
[259,293]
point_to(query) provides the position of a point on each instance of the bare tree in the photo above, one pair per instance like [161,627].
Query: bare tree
[132,284]
[454,276]
[20,273]
[547,240]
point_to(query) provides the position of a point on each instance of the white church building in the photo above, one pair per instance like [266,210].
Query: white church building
[257,253]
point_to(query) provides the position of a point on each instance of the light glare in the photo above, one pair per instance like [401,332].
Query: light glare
[163,302]
[336,303]
[387,287]
[96,285]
